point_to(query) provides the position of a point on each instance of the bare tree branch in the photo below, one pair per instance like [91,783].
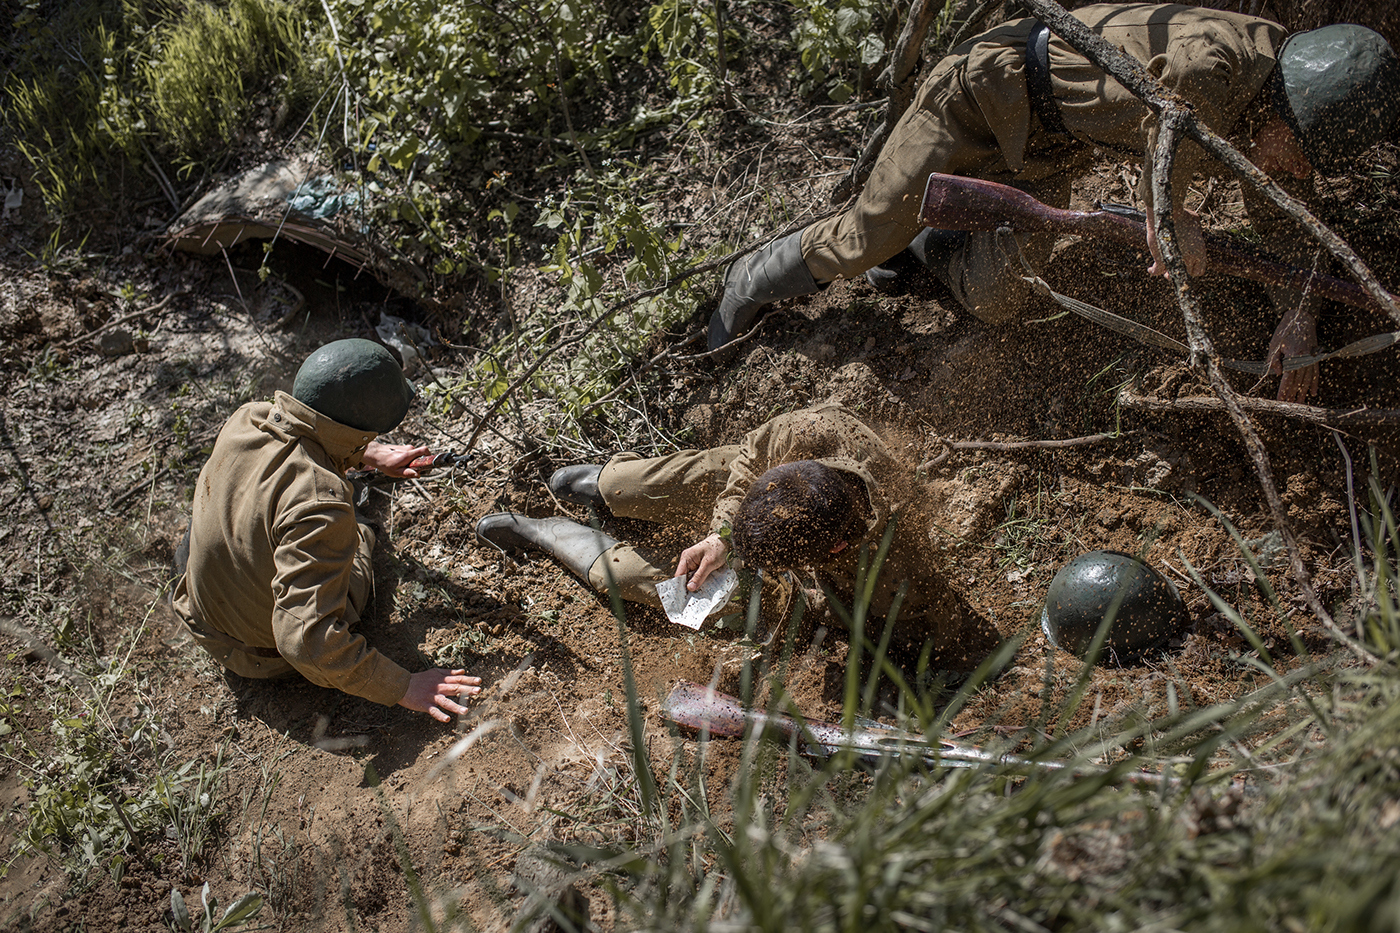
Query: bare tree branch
[1133,75]
[1327,417]
[1059,444]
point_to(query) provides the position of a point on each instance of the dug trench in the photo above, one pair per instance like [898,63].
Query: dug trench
[331,799]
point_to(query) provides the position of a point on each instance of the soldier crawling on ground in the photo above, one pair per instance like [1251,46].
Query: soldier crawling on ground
[808,491]
[275,568]
[1019,106]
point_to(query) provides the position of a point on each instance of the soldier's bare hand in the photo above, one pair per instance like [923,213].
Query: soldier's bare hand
[432,692]
[393,459]
[704,558]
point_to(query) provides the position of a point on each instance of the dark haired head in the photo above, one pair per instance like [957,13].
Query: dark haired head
[796,514]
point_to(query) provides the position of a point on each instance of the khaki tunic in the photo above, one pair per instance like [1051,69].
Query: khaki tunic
[277,560]
[690,487]
[972,117]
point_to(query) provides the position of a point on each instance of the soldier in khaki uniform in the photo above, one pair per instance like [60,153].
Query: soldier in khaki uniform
[718,488]
[1019,106]
[276,570]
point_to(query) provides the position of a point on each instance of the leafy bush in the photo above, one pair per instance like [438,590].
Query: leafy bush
[842,44]
[423,83]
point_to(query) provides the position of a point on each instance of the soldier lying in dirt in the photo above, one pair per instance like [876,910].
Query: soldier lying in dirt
[1020,106]
[808,491]
[275,569]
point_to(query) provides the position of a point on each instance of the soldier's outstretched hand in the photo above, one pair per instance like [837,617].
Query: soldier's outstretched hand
[1296,335]
[431,692]
[393,459]
[1191,243]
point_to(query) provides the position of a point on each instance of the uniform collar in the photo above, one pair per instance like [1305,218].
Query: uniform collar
[345,445]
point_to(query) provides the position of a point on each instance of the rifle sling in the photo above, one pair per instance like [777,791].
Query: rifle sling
[1038,89]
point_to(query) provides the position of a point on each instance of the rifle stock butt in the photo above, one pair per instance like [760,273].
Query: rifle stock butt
[952,202]
[699,707]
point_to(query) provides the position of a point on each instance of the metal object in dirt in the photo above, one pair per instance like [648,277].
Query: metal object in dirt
[1144,606]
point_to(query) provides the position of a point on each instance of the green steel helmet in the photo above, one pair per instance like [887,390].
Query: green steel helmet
[356,382]
[1337,88]
[1149,610]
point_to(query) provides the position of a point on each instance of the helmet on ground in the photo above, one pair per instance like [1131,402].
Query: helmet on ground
[1337,89]
[356,382]
[1146,608]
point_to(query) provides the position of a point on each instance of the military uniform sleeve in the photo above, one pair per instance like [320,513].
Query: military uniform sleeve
[314,555]
[810,434]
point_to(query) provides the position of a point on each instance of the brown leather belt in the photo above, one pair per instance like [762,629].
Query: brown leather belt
[1038,89]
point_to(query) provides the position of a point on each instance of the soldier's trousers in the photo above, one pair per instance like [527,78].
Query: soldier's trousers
[678,490]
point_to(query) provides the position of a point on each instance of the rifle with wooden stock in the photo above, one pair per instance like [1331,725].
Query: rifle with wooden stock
[702,708]
[952,202]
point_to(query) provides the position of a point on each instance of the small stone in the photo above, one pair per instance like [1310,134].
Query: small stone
[116,343]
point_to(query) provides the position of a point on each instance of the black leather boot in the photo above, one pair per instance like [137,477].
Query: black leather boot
[931,250]
[578,485]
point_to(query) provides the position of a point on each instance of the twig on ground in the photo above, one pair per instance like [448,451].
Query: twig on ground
[117,322]
[950,446]
[198,442]
[728,347]
[35,647]
[293,309]
[668,353]
[1329,417]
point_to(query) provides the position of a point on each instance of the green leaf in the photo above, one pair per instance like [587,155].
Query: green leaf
[241,910]
[180,912]
[872,51]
